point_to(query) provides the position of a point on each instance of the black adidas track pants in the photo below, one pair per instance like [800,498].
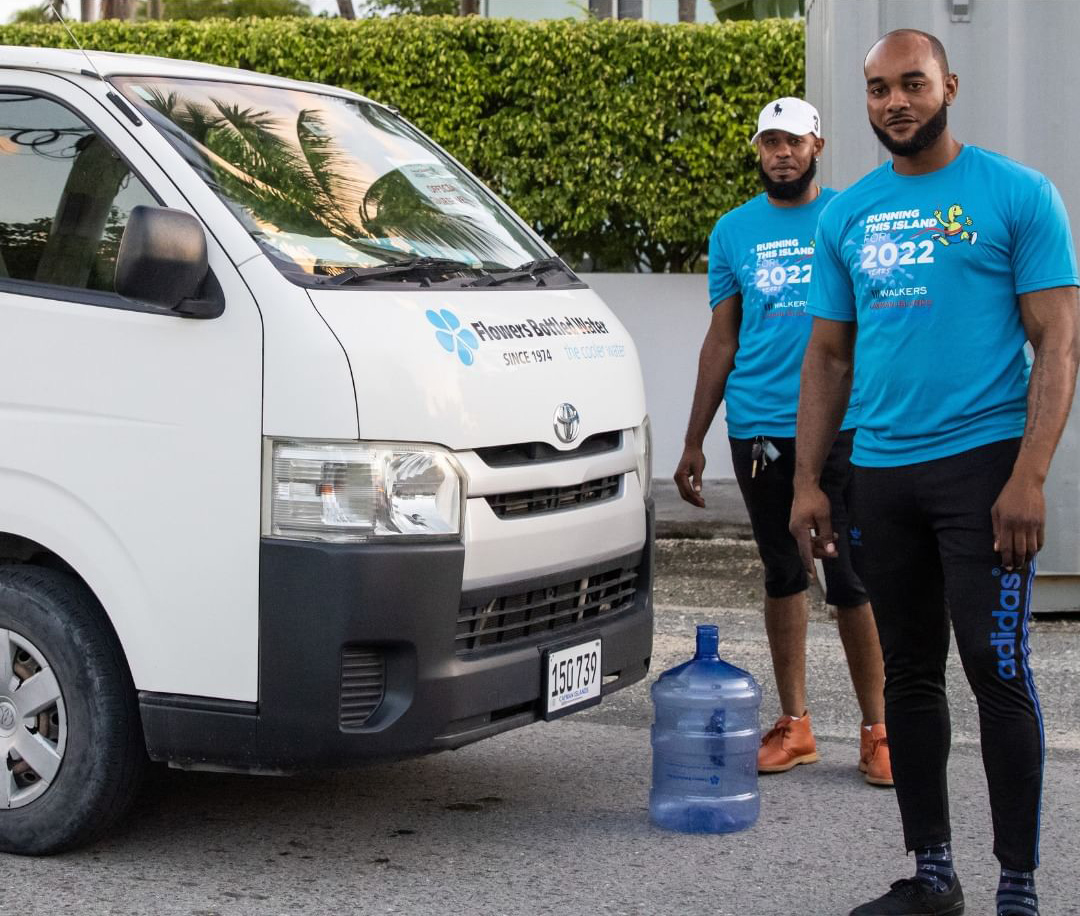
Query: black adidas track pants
[922,543]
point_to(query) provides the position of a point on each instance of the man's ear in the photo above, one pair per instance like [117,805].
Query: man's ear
[819,145]
[952,85]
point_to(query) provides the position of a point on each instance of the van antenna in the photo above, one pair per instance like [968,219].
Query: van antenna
[93,71]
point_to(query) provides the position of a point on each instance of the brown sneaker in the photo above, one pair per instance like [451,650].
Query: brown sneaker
[787,744]
[874,756]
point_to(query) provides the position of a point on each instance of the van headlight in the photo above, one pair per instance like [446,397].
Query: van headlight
[643,446]
[361,491]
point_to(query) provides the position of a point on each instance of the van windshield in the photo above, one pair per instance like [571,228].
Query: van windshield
[332,187]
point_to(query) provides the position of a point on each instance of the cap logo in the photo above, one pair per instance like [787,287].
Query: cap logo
[816,124]
[776,110]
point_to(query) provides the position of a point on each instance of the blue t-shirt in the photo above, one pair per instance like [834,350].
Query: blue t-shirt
[766,253]
[930,266]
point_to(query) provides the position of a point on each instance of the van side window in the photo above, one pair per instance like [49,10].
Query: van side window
[67,196]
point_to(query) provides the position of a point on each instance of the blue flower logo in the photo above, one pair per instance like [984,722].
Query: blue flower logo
[452,336]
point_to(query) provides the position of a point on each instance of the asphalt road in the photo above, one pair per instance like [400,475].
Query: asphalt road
[553,818]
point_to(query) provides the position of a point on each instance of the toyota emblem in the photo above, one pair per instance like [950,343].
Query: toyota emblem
[567,422]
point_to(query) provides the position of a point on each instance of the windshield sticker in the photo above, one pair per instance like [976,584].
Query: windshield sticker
[466,342]
[438,184]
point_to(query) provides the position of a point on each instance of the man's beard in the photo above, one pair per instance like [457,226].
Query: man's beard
[923,138]
[788,190]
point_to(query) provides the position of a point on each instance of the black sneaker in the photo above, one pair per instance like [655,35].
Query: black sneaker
[908,897]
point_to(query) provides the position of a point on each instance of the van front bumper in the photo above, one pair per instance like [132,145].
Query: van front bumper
[362,658]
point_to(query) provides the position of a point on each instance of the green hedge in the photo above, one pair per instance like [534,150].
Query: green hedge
[619,140]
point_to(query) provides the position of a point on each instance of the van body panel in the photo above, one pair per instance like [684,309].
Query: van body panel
[61,521]
[308,385]
[505,548]
[535,349]
[399,603]
[153,421]
[146,427]
[74,63]
[499,550]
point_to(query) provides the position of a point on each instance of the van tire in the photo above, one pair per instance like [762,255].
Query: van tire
[103,754]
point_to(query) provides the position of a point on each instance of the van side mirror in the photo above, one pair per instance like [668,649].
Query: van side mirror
[162,261]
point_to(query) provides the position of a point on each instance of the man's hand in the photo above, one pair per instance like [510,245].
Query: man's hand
[811,526]
[824,392]
[1019,517]
[1051,320]
[715,363]
[688,476]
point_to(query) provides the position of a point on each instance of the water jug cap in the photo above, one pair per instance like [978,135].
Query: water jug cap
[708,641]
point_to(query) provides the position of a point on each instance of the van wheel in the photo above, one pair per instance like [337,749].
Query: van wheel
[71,746]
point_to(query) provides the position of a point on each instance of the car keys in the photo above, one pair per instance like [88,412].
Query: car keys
[761,453]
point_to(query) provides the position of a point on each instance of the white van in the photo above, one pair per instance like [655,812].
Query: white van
[312,453]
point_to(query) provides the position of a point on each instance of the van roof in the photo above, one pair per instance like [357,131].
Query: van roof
[70,61]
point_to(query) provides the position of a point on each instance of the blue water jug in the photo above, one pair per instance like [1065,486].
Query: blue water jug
[705,739]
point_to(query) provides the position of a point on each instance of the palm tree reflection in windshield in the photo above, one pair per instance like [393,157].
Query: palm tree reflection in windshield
[396,207]
[298,190]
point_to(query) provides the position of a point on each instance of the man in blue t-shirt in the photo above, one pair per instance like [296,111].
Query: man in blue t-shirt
[947,260]
[761,257]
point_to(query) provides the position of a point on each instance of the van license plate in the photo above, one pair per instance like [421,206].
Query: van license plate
[572,678]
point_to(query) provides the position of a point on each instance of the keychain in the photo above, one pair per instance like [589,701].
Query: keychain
[761,453]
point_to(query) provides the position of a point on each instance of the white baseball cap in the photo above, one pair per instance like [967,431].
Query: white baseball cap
[793,116]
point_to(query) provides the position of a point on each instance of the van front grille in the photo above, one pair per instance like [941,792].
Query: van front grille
[551,499]
[520,617]
[363,685]
[508,456]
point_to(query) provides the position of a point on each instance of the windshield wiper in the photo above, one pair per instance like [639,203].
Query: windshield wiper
[530,270]
[416,265]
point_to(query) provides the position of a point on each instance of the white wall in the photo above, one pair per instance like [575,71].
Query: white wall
[667,315]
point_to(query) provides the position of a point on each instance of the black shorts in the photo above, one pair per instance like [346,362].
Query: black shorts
[768,498]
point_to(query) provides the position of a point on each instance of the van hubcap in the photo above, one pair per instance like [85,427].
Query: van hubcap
[33,722]
[9,717]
